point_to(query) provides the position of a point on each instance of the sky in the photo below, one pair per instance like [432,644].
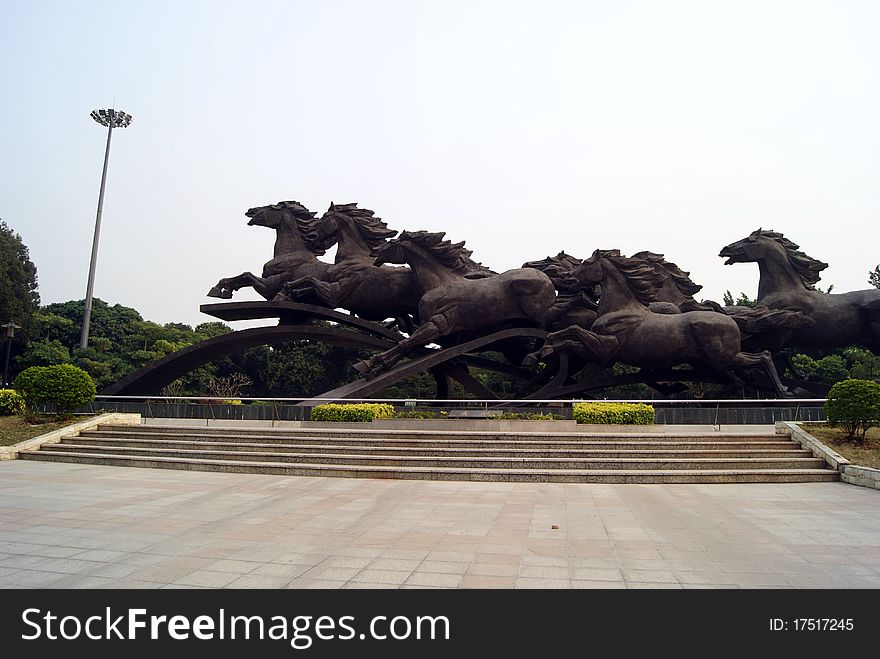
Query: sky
[523,128]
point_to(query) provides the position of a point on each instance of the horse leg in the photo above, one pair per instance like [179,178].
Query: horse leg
[226,287]
[763,360]
[426,333]
[597,348]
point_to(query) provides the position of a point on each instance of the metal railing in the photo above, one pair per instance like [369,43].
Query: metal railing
[704,411]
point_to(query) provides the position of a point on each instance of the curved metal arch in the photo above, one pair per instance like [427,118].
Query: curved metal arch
[151,378]
[362,388]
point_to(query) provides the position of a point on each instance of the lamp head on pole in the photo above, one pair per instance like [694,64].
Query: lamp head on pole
[118,118]
[10,328]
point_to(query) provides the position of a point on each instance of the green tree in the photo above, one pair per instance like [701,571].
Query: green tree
[43,353]
[19,299]
[742,301]
[874,277]
[832,368]
[49,323]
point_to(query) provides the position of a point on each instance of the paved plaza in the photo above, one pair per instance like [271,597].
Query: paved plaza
[81,526]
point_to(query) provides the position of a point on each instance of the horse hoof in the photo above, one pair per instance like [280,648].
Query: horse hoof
[362,367]
[530,360]
[215,292]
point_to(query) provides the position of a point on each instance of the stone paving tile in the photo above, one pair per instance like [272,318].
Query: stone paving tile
[259,581]
[543,572]
[291,571]
[442,567]
[649,576]
[397,577]
[346,561]
[163,574]
[494,570]
[333,573]
[544,561]
[653,585]
[596,574]
[363,585]
[31,579]
[323,584]
[113,570]
[82,581]
[401,564]
[437,580]
[703,577]
[707,586]
[598,585]
[486,581]
[208,579]
[529,583]
[100,555]
[236,567]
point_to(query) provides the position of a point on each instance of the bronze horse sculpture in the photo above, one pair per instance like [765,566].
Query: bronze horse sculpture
[626,330]
[452,303]
[353,282]
[787,282]
[293,256]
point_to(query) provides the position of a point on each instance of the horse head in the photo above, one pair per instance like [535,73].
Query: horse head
[289,218]
[371,230]
[748,250]
[590,272]
[397,250]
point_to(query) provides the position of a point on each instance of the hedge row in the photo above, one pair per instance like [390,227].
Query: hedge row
[352,412]
[614,413]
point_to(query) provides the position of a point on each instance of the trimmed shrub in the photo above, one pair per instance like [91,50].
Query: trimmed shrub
[357,412]
[854,405]
[419,415]
[526,416]
[11,402]
[64,385]
[614,413]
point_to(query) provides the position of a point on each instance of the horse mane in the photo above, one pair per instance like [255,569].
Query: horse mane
[558,268]
[679,277]
[373,230]
[640,275]
[806,267]
[452,255]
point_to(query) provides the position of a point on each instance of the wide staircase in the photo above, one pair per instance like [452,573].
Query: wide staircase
[567,457]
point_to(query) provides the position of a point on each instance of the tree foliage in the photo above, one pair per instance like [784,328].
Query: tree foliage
[19,299]
[742,301]
[855,406]
[874,277]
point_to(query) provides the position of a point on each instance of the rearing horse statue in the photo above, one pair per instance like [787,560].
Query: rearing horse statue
[353,282]
[293,258]
[787,282]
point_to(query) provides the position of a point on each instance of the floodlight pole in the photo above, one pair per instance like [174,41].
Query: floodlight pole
[107,118]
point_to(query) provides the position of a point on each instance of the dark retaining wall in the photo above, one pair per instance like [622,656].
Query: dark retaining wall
[683,414]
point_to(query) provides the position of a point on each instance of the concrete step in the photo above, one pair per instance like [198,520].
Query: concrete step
[501,449]
[214,431]
[471,462]
[432,440]
[518,474]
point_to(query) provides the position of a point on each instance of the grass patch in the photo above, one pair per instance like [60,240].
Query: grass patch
[864,455]
[14,429]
